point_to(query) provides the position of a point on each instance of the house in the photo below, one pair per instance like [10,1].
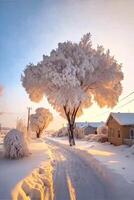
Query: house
[121,128]
[89,127]
[81,124]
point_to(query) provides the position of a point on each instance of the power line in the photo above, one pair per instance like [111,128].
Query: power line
[126,96]
[126,103]
[119,102]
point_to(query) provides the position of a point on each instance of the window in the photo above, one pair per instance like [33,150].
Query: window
[119,134]
[131,133]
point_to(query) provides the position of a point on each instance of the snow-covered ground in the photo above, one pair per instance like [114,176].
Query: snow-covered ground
[13,171]
[33,175]
[120,159]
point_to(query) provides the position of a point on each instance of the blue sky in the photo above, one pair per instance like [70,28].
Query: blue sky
[29,29]
[21,29]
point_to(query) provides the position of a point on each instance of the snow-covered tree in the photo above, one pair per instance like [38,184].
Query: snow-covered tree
[40,120]
[15,144]
[72,77]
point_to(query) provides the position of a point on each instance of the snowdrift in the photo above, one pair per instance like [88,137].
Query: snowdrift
[37,186]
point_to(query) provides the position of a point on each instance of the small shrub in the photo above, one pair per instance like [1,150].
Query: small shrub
[97,138]
[61,132]
[79,133]
[15,145]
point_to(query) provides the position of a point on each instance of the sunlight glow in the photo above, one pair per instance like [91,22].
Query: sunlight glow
[71,189]
[113,161]
[38,185]
[100,152]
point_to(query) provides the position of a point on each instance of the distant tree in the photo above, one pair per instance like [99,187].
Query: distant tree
[72,77]
[40,120]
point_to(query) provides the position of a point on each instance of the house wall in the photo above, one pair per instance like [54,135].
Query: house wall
[115,130]
[126,131]
[89,130]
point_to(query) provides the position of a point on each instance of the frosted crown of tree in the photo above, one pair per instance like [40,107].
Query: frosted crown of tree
[40,120]
[72,77]
[75,75]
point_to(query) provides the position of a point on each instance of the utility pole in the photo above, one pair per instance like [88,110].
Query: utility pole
[28,118]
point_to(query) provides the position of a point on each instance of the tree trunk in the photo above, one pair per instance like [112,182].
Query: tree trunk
[69,137]
[38,134]
[71,134]
[71,121]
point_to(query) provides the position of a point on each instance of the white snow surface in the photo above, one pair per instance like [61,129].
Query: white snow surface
[104,156]
[120,159]
[123,118]
[13,171]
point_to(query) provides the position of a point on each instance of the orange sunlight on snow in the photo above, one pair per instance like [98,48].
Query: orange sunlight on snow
[71,189]
[113,161]
[34,185]
[100,152]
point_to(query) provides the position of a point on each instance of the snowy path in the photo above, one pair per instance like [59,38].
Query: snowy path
[119,159]
[74,178]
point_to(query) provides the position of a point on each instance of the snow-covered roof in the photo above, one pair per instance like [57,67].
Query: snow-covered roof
[123,118]
[81,124]
[96,124]
[85,124]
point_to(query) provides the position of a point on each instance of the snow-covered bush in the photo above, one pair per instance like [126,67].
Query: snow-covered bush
[61,132]
[97,138]
[79,133]
[15,145]
[89,137]
[102,130]
[101,136]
